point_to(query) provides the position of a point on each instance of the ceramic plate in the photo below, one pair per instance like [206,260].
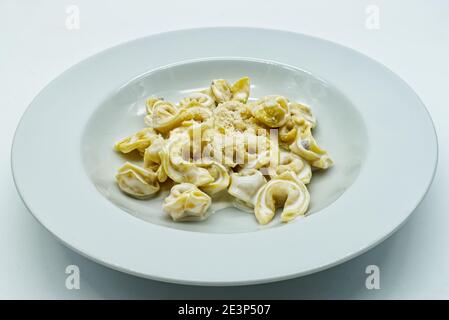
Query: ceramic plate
[375,127]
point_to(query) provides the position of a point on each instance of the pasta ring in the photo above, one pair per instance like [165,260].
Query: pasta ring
[137,182]
[300,111]
[186,203]
[240,90]
[164,117]
[138,141]
[198,99]
[284,191]
[179,169]
[287,133]
[221,91]
[271,110]
[293,163]
[220,175]
[245,185]
[306,147]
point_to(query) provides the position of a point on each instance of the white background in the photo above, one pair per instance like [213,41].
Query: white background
[35,47]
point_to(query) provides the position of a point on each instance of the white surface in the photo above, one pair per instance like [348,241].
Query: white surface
[62,138]
[35,47]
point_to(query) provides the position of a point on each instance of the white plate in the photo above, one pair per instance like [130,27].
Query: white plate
[375,127]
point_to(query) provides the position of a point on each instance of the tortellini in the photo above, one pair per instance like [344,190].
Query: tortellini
[306,147]
[245,185]
[222,91]
[287,133]
[178,168]
[301,112]
[220,175]
[152,158]
[136,181]
[273,111]
[186,203]
[282,191]
[240,90]
[198,99]
[138,141]
[295,165]
[164,116]
[152,152]
[218,142]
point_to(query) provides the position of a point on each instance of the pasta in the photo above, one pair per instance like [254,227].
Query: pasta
[240,90]
[289,162]
[245,185]
[198,99]
[306,147]
[164,116]
[284,190]
[221,90]
[218,141]
[220,175]
[300,112]
[136,181]
[138,141]
[186,202]
[179,169]
[271,110]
